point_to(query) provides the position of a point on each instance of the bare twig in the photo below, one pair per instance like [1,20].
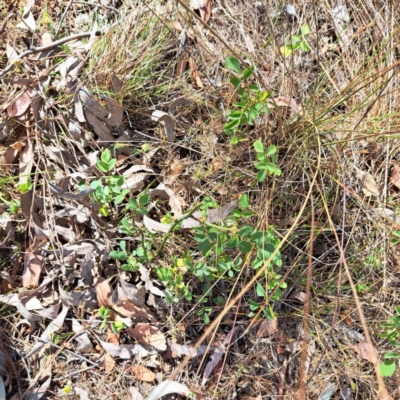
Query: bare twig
[62,18]
[74,373]
[383,393]
[67,350]
[34,50]
[3,25]
[301,395]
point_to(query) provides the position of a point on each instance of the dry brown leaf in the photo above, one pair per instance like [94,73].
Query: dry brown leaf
[12,153]
[104,294]
[259,397]
[205,11]
[46,39]
[195,73]
[180,101]
[33,264]
[283,101]
[148,283]
[28,22]
[117,83]
[181,64]
[165,193]
[395,178]
[386,213]
[168,387]
[135,394]
[142,373]
[341,23]
[12,54]
[83,343]
[109,363]
[249,43]
[154,226]
[366,352]
[148,334]
[179,350]
[125,351]
[131,293]
[111,336]
[217,357]
[267,327]
[167,121]
[26,163]
[217,164]
[21,104]
[177,26]
[368,183]
[54,326]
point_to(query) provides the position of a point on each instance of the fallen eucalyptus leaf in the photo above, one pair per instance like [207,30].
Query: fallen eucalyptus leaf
[142,373]
[145,333]
[167,121]
[54,326]
[125,351]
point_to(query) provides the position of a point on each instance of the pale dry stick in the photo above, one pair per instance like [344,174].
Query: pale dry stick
[307,309]
[74,373]
[383,393]
[217,35]
[252,281]
[67,350]
[62,17]
[34,50]
[4,24]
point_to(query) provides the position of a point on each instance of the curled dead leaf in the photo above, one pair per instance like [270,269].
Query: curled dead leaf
[368,183]
[366,352]
[109,363]
[125,351]
[167,121]
[267,327]
[142,373]
[395,178]
[145,333]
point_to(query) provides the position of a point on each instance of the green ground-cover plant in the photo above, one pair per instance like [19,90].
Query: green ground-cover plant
[252,103]
[252,100]
[297,42]
[220,254]
[104,314]
[107,189]
[392,334]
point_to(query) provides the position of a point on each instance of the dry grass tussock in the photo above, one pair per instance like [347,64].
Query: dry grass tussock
[121,271]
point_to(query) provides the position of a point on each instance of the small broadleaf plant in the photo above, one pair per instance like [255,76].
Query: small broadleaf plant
[297,42]
[266,161]
[252,100]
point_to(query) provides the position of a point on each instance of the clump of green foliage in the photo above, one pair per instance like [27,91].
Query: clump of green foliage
[392,334]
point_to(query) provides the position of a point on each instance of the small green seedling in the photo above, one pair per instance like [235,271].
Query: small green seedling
[392,334]
[266,161]
[117,327]
[104,314]
[131,262]
[107,189]
[297,42]
[396,239]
